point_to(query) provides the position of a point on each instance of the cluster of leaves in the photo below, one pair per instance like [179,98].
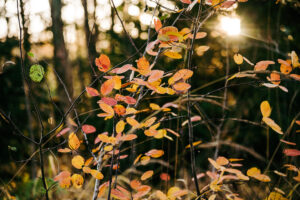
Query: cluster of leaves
[119,99]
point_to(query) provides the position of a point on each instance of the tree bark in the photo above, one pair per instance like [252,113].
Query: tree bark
[61,62]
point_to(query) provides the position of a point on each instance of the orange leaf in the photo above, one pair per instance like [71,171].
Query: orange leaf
[96,174]
[133,122]
[157,24]
[265,109]
[77,180]
[181,86]
[181,74]
[155,75]
[154,153]
[92,91]
[135,184]
[263,65]
[119,109]
[73,141]
[103,63]
[129,137]
[78,161]
[107,87]
[143,66]
[106,108]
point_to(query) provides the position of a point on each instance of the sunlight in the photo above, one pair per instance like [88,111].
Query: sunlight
[133,10]
[230,25]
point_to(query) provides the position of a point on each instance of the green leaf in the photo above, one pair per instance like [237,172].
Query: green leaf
[30,54]
[36,73]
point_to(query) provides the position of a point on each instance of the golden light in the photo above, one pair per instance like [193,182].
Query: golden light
[230,25]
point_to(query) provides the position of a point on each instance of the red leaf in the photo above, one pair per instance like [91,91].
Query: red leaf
[92,91]
[62,132]
[88,129]
[164,176]
[103,63]
[108,100]
[122,69]
[291,152]
[129,100]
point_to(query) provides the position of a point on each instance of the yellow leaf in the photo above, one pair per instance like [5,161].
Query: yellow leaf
[272,124]
[78,161]
[154,106]
[133,122]
[108,148]
[77,180]
[96,174]
[161,133]
[238,59]
[173,55]
[265,109]
[120,126]
[73,141]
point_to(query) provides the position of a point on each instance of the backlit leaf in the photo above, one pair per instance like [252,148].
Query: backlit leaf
[77,180]
[96,174]
[272,124]
[147,175]
[291,152]
[238,59]
[88,129]
[107,87]
[73,141]
[265,109]
[120,126]
[103,63]
[172,54]
[78,161]
[92,91]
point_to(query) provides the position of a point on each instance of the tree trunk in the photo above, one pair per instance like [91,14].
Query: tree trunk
[61,63]
[90,35]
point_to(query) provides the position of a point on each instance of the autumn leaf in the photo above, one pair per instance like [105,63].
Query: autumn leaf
[96,174]
[129,137]
[120,126]
[263,65]
[143,66]
[238,59]
[92,91]
[88,129]
[78,161]
[133,122]
[157,24]
[77,180]
[256,173]
[181,74]
[154,153]
[64,179]
[103,63]
[181,86]
[272,124]
[265,109]
[291,152]
[147,175]
[107,87]
[155,75]
[73,141]
[172,54]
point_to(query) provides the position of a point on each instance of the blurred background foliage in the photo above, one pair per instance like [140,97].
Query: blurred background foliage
[75,32]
